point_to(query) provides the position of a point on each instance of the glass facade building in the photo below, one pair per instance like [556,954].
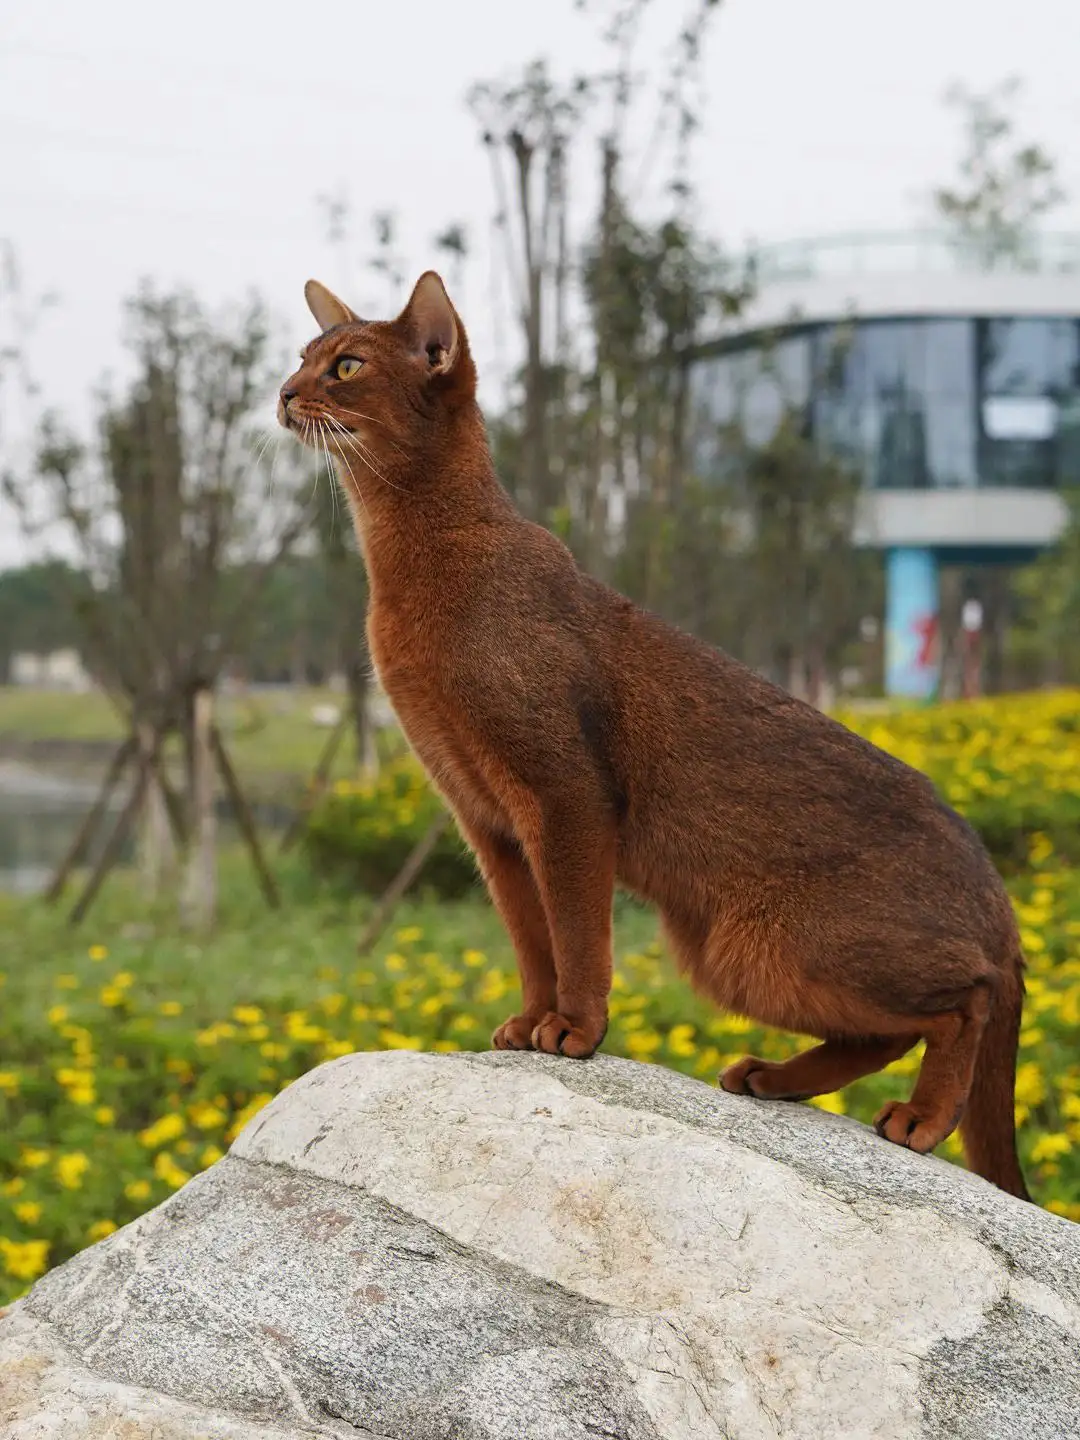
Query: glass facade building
[941,404]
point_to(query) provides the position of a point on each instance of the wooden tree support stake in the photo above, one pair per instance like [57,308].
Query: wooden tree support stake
[317,783]
[81,844]
[111,853]
[244,819]
[198,893]
[395,891]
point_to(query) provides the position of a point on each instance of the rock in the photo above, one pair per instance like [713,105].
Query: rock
[515,1247]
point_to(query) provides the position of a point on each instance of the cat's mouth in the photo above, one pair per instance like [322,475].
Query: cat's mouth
[310,429]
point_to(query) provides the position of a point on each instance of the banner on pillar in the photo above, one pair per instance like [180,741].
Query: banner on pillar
[912,621]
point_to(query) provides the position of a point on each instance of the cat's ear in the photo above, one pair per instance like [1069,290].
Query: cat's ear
[431,324]
[326,307]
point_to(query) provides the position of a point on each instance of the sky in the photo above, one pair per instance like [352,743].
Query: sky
[189,143]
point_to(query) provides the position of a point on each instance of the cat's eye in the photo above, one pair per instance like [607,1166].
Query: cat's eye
[347,367]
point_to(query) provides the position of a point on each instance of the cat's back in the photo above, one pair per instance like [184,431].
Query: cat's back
[734,754]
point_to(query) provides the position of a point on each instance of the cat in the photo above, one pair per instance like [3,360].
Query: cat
[804,877]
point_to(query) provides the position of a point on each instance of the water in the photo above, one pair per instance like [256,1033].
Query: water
[41,812]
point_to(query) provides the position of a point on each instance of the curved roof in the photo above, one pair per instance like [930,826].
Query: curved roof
[910,273]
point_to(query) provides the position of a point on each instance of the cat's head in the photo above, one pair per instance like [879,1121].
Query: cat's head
[380,386]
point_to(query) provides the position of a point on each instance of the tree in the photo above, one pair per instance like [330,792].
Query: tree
[36,610]
[604,314]
[1046,640]
[165,507]
[527,127]
[1005,186]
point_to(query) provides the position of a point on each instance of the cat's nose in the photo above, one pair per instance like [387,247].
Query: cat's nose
[287,395]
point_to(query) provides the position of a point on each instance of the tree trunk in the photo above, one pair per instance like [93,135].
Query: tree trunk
[198,903]
[156,851]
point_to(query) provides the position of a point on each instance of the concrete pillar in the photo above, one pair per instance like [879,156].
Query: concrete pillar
[912,624]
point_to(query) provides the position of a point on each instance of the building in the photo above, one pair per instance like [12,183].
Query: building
[58,670]
[951,386]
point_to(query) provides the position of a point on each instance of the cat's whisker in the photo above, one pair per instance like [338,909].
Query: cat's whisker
[269,439]
[359,449]
[365,454]
[372,420]
[348,439]
[306,435]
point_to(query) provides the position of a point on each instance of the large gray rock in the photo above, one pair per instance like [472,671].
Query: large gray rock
[502,1247]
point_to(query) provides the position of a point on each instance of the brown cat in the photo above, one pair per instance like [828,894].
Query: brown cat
[805,878]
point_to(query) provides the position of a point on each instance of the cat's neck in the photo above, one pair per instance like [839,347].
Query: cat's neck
[408,503]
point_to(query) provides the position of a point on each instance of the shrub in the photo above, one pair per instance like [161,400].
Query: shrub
[363,832]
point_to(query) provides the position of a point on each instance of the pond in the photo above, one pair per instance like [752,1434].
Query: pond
[40,814]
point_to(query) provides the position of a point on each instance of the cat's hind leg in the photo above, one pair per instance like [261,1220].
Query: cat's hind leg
[827,1067]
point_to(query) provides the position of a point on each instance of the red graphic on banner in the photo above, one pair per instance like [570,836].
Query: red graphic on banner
[926,627]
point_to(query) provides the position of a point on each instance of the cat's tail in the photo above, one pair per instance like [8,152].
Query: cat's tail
[988,1126]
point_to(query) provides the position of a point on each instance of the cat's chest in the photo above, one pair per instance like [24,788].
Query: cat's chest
[441,731]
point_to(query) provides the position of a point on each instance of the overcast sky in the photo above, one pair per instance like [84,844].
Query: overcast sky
[189,142]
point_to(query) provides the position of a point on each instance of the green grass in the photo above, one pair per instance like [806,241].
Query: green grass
[28,714]
[131,1053]
[271,735]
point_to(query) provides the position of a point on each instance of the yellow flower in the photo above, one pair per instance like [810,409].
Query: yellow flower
[247,1014]
[299,1028]
[66,982]
[493,987]
[166,1169]
[15,1186]
[681,1041]
[210,1156]
[71,1168]
[241,1118]
[170,1007]
[28,1211]
[123,979]
[205,1115]
[137,1189]
[396,963]
[112,996]
[409,936]
[98,952]
[105,1115]
[100,1228]
[56,1014]
[643,1044]
[9,1082]
[165,1128]
[1050,1147]
[1030,1086]
[24,1259]
[333,1049]
[474,958]
[834,1104]
[395,1041]
[31,1158]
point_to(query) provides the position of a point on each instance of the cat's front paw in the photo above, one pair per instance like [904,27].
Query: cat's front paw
[515,1033]
[558,1035]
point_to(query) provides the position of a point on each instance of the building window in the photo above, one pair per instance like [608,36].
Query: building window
[1028,380]
[939,404]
